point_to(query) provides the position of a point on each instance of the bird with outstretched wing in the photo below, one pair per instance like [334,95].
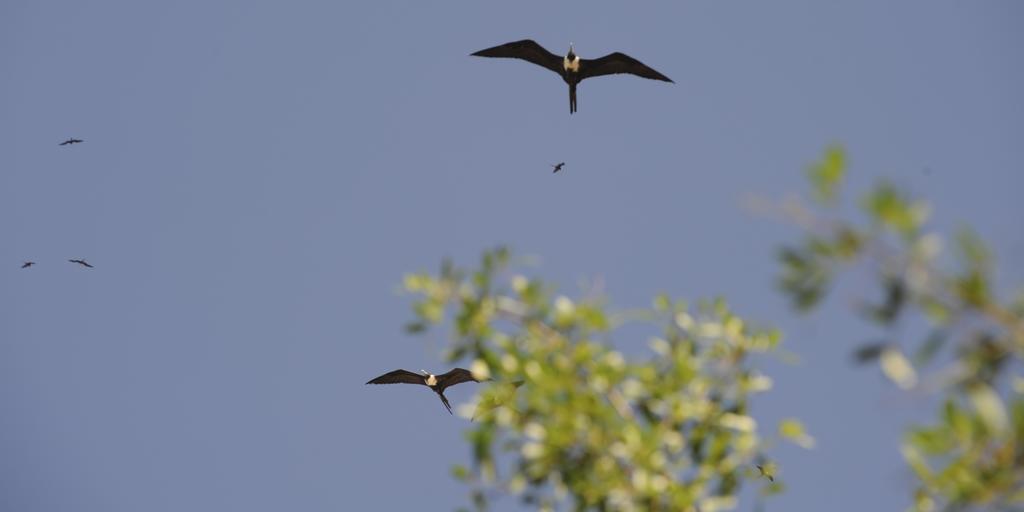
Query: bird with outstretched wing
[438,383]
[572,68]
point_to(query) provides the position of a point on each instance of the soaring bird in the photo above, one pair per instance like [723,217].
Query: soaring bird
[557,167]
[438,383]
[572,68]
[27,264]
[81,262]
[70,141]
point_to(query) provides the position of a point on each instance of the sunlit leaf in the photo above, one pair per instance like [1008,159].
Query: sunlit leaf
[738,422]
[793,430]
[916,461]
[989,406]
[897,368]
[480,370]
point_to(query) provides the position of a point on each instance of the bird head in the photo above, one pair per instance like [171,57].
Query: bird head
[572,53]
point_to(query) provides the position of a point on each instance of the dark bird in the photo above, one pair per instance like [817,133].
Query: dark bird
[27,264]
[438,383]
[70,141]
[766,474]
[557,167]
[572,68]
[81,262]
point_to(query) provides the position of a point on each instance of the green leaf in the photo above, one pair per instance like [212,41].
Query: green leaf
[892,304]
[916,461]
[460,472]
[972,248]
[429,310]
[804,277]
[957,421]
[889,207]
[662,303]
[931,441]
[972,288]
[793,430]
[826,175]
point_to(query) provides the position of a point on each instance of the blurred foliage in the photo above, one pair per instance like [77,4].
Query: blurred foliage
[972,455]
[567,419]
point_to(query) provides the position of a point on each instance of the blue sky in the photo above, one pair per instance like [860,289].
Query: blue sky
[257,176]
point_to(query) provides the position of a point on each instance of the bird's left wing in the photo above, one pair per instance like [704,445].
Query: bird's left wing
[528,50]
[399,377]
[614,63]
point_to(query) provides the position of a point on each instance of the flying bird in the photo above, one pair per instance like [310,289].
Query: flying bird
[27,264]
[438,383]
[81,262]
[557,167]
[70,141]
[572,68]
[766,473]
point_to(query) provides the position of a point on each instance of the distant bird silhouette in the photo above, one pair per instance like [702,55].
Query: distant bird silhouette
[438,383]
[557,167]
[571,68]
[70,141]
[82,263]
[27,264]
[769,476]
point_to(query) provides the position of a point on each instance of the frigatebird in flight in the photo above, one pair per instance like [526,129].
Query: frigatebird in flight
[438,383]
[27,264]
[81,262]
[557,167]
[70,141]
[572,68]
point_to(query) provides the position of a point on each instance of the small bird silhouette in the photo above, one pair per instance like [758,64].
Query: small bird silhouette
[81,262]
[766,474]
[27,264]
[557,167]
[70,141]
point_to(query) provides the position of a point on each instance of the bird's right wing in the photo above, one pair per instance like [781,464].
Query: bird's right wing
[399,377]
[528,50]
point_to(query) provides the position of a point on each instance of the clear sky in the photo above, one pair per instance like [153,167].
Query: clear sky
[257,176]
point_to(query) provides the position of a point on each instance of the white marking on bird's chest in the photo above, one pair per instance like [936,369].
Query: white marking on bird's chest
[431,380]
[571,65]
